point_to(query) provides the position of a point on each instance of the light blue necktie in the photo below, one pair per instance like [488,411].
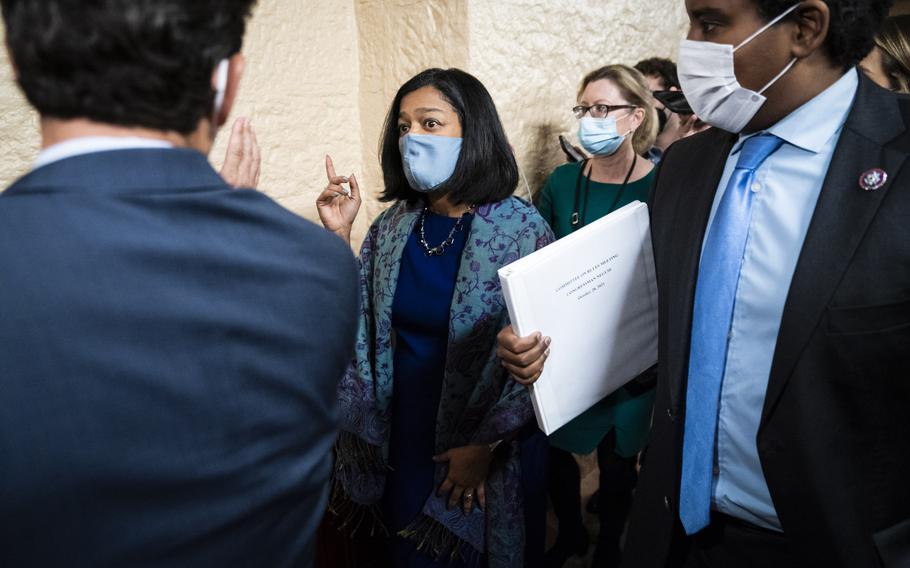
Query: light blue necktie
[715,292]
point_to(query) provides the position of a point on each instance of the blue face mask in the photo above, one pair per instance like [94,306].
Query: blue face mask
[428,160]
[599,135]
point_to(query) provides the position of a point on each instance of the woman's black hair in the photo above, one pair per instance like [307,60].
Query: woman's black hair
[486,171]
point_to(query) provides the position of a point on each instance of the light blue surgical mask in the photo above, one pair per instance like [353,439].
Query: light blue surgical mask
[428,160]
[599,136]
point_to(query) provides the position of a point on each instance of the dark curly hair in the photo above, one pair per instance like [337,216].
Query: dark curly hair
[852,30]
[145,63]
[659,67]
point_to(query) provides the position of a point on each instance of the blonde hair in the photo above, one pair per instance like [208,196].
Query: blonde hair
[894,43]
[635,90]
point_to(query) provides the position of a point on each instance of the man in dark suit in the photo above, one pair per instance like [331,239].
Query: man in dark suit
[783,260]
[169,346]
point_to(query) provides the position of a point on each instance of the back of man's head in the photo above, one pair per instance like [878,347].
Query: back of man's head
[137,63]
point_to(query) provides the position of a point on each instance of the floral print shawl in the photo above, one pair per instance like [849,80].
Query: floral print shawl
[479,403]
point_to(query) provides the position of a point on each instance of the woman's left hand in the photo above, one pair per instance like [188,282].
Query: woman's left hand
[468,469]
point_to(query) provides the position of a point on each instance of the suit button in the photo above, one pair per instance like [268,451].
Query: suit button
[668,503]
[670,414]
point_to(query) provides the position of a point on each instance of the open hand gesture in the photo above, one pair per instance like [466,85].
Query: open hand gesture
[243,159]
[337,207]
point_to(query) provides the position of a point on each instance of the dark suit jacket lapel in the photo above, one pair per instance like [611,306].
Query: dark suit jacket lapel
[842,215]
[695,190]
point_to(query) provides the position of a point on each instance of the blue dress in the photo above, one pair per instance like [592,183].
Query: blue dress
[420,318]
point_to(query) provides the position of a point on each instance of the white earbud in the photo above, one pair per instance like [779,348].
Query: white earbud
[221,81]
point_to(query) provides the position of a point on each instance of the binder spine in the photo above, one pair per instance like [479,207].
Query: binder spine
[510,291]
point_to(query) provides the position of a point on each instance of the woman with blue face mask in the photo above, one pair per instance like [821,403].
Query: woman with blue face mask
[617,123]
[439,448]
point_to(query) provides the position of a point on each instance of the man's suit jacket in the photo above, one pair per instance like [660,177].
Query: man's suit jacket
[169,355]
[834,439]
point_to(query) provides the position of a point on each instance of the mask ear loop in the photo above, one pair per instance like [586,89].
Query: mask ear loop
[779,75]
[522,177]
[768,25]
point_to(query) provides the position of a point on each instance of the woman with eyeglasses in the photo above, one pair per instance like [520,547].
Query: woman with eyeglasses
[617,124]
[439,449]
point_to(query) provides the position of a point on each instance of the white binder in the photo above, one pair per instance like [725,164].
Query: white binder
[594,292]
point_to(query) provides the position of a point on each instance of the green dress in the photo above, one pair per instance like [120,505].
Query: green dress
[630,415]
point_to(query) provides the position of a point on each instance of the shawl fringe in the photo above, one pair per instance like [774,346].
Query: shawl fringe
[351,517]
[353,458]
[435,539]
[353,454]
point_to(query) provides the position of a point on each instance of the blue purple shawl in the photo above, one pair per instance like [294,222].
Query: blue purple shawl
[479,403]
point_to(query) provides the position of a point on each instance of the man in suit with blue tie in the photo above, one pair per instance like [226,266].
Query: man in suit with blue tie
[783,258]
[170,347]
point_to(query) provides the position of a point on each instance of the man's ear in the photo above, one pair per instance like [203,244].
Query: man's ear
[236,67]
[813,18]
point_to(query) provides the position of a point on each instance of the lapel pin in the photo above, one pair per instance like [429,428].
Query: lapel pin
[873,179]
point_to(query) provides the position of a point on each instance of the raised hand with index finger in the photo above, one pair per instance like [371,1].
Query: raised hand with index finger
[337,206]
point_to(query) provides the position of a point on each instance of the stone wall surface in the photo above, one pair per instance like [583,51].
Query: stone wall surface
[322,73]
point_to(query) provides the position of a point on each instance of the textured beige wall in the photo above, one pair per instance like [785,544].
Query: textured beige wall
[321,75]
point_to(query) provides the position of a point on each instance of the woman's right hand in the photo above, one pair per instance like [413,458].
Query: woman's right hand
[338,209]
[523,357]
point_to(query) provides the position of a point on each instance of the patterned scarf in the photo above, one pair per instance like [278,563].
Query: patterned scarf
[480,404]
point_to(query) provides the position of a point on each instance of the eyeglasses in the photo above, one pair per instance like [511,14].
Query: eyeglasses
[598,111]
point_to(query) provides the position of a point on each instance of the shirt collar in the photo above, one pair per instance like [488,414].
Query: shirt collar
[145,170]
[92,144]
[812,125]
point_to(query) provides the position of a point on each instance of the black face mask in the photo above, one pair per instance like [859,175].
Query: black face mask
[673,101]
